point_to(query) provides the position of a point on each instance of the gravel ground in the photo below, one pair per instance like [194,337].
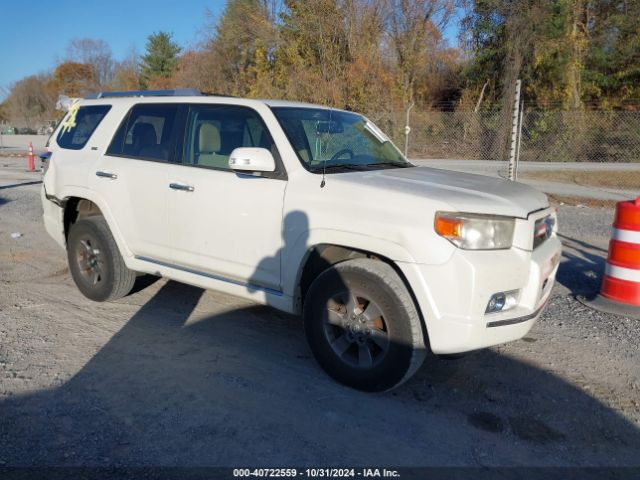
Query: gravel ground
[174,375]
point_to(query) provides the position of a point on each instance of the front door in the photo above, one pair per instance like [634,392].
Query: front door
[223,223]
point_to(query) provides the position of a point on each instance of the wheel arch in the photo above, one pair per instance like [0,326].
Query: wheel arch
[321,256]
[81,204]
[77,208]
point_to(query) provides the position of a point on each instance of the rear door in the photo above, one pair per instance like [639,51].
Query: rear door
[132,177]
[221,222]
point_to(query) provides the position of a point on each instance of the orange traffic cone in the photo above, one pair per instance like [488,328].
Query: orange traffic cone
[620,290]
[32,163]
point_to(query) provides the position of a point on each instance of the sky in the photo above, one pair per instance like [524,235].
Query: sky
[35,34]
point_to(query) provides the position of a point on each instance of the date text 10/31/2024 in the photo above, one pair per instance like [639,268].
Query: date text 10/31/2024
[316,472]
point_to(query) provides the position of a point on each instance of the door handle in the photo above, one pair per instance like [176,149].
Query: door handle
[110,175]
[181,186]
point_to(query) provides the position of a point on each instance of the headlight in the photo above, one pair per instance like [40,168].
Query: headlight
[472,231]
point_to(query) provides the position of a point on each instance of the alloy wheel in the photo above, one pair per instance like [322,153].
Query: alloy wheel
[356,330]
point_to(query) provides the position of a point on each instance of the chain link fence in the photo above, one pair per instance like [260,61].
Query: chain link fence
[592,149]
[588,136]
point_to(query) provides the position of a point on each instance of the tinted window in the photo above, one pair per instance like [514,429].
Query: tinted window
[75,134]
[213,131]
[148,132]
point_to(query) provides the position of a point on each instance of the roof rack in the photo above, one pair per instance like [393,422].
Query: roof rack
[178,92]
[215,94]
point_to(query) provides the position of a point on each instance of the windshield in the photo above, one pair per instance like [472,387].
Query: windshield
[337,140]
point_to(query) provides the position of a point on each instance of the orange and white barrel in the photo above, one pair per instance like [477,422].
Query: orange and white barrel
[621,282]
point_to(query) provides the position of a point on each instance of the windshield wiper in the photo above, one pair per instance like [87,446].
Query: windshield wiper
[342,166]
[389,164]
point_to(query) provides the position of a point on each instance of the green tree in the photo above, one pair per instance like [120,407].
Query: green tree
[567,52]
[498,42]
[612,60]
[161,59]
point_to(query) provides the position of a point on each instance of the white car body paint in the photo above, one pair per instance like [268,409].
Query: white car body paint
[249,236]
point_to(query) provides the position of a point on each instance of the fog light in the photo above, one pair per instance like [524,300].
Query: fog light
[496,302]
[501,301]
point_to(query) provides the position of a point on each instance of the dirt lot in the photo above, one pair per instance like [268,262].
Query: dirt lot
[173,375]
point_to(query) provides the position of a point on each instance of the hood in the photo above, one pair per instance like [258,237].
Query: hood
[464,192]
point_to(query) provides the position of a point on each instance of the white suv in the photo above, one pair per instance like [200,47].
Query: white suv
[305,208]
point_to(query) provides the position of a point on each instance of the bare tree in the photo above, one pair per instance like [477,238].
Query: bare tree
[31,101]
[94,52]
[413,29]
[126,73]
[4,115]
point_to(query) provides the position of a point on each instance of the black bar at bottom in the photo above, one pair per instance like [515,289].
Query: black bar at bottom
[406,473]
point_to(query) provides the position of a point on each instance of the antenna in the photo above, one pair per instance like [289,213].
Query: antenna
[324,160]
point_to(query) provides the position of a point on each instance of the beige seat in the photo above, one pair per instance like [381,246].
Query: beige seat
[209,145]
[304,155]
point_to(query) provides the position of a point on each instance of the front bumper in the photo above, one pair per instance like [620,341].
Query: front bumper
[453,297]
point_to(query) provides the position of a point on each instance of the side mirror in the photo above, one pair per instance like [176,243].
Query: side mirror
[249,159]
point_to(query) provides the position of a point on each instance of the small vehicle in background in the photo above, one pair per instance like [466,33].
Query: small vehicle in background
[27,131]
[46,130]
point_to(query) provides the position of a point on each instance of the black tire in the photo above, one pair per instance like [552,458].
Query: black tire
[95,262]
[333,325]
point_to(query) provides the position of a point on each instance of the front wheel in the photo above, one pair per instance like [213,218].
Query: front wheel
[95,262]
[362,325]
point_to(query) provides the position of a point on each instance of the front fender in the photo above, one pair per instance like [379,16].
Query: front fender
[296,250]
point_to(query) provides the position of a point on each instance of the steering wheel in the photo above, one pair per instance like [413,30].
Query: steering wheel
[339,153]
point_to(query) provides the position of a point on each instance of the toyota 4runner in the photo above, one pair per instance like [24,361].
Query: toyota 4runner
[309,209]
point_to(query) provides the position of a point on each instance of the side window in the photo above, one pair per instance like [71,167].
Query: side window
[76,135]
[214,131]
[147,132]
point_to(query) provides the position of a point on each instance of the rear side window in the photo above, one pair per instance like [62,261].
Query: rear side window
[147,133]
[75,133]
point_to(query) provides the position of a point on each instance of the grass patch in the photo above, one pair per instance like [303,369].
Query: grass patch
[581,201]
[612,179]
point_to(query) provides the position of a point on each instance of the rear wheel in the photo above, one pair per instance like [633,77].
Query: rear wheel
[362,325]
[95,262]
